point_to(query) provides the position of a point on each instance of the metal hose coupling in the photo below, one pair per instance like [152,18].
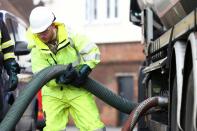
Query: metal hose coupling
[141,109]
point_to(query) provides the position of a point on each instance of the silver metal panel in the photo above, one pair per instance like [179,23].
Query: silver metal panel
[180,29]
[161,7]
[154,66]
[170,12]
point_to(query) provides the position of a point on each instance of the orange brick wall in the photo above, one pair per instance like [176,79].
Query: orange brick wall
[121,52]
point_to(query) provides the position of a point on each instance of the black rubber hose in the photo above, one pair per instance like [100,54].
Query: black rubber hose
[40,79]
[109,97]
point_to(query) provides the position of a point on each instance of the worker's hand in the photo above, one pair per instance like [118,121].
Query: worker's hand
[82,76]
[13,81]
[68,77]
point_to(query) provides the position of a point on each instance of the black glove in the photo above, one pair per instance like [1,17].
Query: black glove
[82,75]
[69,75]
[72,76]
[12,69]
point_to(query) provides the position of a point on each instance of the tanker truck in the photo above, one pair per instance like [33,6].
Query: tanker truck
[169,37]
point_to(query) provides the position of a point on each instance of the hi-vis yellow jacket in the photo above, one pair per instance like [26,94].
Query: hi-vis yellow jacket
[72,48]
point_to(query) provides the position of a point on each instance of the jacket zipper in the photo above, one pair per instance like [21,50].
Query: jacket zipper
[53,59]
[61,88]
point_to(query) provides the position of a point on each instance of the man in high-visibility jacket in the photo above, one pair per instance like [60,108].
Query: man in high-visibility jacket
[51,44]
[7,61]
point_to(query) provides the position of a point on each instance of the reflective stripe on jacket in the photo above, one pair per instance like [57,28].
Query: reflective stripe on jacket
[67,53]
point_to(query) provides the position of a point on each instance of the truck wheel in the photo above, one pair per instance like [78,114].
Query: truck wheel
[174,126]
[189,104]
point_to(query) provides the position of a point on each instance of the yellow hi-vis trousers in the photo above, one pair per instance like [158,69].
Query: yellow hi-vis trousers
[83,110]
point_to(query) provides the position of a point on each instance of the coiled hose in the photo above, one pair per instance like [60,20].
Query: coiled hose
[41,78]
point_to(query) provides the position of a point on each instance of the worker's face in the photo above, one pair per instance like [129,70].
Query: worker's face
[47,35]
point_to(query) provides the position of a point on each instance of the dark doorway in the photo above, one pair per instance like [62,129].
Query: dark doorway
[126,90]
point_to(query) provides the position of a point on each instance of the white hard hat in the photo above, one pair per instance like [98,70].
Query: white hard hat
[40,19]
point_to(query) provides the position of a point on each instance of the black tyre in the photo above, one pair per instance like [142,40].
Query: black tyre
[189,104]
[174,126]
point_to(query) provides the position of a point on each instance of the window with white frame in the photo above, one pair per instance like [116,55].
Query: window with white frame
[91,10]
[101,10]
[112,9]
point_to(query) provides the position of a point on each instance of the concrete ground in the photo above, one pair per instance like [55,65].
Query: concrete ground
[70,128]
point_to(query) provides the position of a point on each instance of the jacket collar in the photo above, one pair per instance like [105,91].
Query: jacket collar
[62,34]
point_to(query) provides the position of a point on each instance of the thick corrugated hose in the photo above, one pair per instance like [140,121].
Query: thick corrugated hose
[109,97]
[141,109]
[41,78]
